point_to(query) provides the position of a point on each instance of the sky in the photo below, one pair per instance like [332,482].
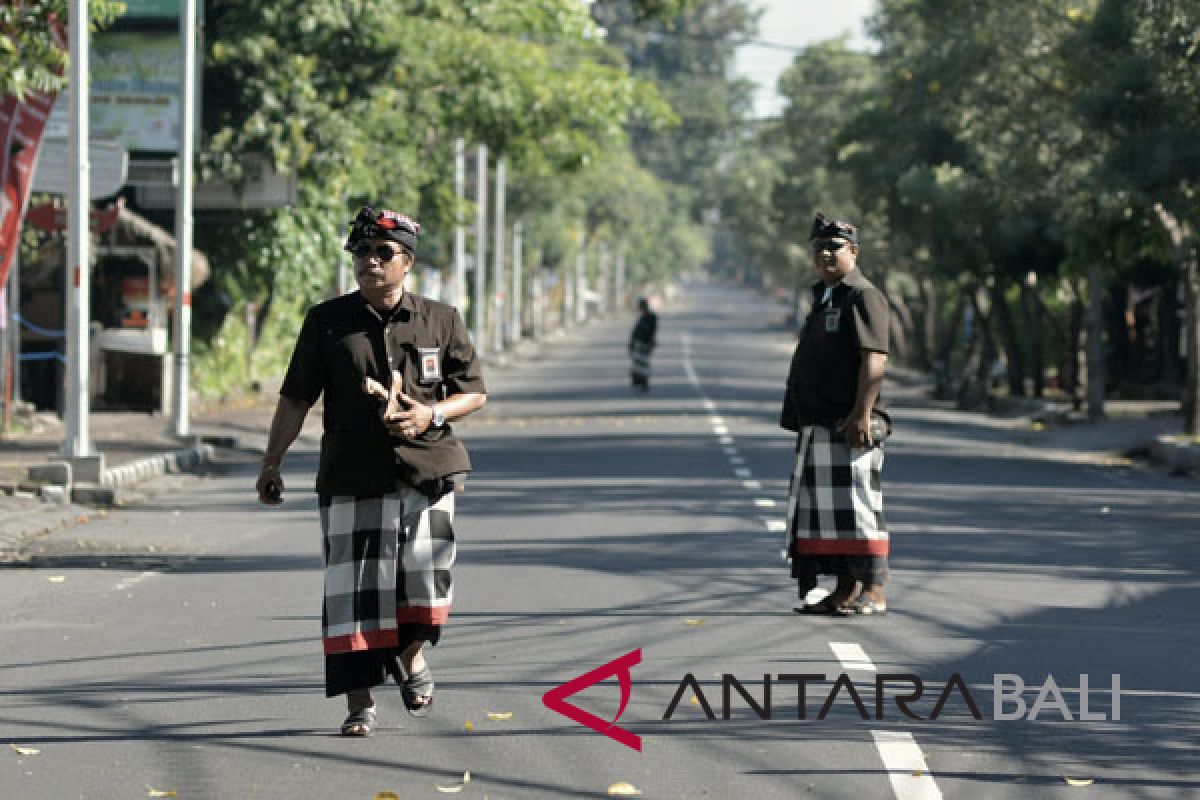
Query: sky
[796,23]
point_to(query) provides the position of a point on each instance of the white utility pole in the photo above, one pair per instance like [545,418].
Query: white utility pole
[183,221]
[498,263]
[480,246]
[538,301]
[602,282]
[580,283]
[460,233]
[568,302]
[514,318]
[76,398]
[619,300]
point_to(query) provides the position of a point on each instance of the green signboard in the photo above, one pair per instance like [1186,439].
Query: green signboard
[151,9]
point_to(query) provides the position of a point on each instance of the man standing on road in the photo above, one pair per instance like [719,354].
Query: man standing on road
[835,520]
[642,341]
[388,470]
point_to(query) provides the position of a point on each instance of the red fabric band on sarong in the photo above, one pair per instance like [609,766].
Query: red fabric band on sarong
[842,547]
[373,640]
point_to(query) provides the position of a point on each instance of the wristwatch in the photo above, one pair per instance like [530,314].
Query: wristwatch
[439,419]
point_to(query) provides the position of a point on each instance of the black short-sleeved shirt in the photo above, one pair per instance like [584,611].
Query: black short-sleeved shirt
[822,383]
[345,340]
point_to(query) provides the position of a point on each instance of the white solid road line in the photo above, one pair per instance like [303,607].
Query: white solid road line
[906,767]
[852,656]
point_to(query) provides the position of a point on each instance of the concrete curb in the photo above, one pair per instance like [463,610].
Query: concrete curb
[173,462]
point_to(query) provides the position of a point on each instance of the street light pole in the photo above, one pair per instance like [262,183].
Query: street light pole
[514,326]
[460,233]
[78,443]
[498,262]
[183,221]
[480,245]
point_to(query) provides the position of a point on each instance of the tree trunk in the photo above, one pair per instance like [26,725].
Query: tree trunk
[901,330]
[1183,241]
[927,341]
[945,352]
[1095,342]
[1008,337]
[1033,312]
[1074,359]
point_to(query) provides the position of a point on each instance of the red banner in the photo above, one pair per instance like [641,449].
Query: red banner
[21,127]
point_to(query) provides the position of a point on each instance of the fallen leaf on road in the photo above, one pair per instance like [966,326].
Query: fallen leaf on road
[386,796]
[25,751]
[693,622]
[695,700]
[918,773]
[152,792]
[623,789]
[499,716]
[468,725]
[1038,426]
[1078,781]
[455,789]
[57,578]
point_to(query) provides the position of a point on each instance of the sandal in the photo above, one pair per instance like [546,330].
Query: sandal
[866,608]
[418,684]
[359,722]
[825,605]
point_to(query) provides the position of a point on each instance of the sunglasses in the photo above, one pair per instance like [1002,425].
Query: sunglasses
[381,251]
[832,245]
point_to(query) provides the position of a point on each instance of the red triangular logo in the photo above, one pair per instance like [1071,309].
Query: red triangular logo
[556,698]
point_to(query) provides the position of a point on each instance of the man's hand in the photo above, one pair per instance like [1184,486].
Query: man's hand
[270,485]
[410,422]
[857,428]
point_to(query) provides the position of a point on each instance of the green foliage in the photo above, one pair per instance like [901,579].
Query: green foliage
[33,52]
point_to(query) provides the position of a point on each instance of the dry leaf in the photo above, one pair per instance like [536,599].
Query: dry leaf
[450,789]
[468,725]
[693,622]
[623,789]
[386,796]
[1078,781]
[25,751]
[1039,426]
[56,578]
[695,700]
[918,773]
[499,716]
[152,792]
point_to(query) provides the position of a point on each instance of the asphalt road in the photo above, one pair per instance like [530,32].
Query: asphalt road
[174,646]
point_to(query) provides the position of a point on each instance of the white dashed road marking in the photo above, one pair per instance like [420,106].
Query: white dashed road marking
[852,656]
[906,767]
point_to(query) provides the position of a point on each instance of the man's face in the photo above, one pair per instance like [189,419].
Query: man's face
[833,258]
[380,264]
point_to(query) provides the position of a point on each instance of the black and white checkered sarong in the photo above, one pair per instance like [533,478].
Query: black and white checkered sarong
[835,503]
[387,563]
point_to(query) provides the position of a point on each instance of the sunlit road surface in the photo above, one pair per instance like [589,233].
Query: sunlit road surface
[598,522]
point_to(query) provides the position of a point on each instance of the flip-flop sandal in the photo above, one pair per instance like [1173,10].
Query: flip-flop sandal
[360,722]
[417,685]
[825,605]
[868,608]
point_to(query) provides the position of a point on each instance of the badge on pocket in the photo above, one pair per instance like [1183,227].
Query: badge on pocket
[431,364]
[832,317]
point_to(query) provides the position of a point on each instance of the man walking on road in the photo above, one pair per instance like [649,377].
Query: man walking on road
[835,520]
[388,468]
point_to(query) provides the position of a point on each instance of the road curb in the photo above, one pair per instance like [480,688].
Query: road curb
[172,462]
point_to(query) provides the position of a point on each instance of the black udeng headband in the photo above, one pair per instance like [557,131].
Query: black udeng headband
[384,224]
[824,227]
